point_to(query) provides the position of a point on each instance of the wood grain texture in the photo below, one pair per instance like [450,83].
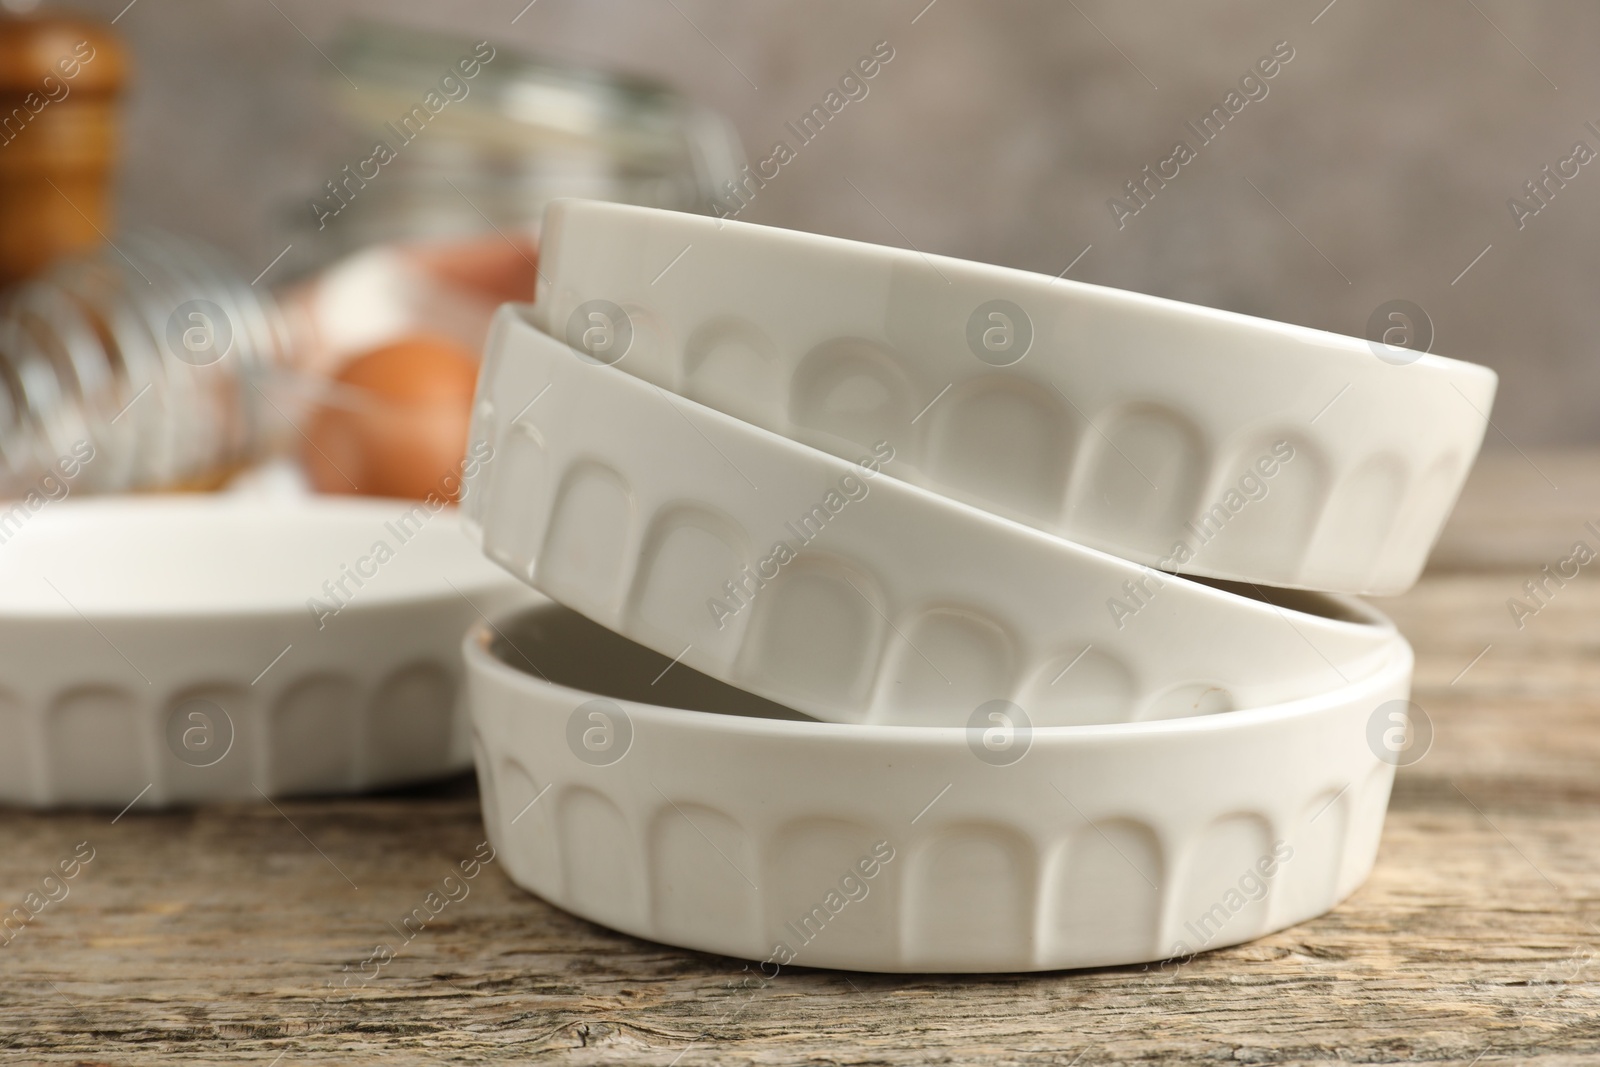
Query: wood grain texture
[224,935]
[1522,508]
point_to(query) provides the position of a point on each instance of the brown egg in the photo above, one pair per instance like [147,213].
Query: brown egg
[395,422]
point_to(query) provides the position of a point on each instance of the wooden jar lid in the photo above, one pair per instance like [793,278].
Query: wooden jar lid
[85,55]
[59,82]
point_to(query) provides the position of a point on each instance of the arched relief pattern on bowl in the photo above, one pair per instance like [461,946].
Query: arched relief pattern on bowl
[690,554]
[949,654]
[515,509]
[488,789]
[1001,441]
[1370,799]
[818,629]
[1185,700]
[655,351]
[1142,469]
[601,857]
[1110,879]
[217,722]
[848,394]
[1422,516]
[981,879]
[528,839]
[1221,905]
[19,757]
[97,745]
[1079,686]
[1360,516]
[1318,834]
[728,363]
[703,868]
[590,546]
[803,861]
[408,723]
[1108,882]
[1270,533]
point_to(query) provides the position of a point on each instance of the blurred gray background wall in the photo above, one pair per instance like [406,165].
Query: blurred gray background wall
[1378,166]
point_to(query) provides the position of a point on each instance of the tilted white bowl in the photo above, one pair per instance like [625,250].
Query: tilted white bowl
[729,829]
[1155,430]
[187,648]
[850,596]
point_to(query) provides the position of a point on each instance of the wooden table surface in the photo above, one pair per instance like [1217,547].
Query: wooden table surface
[238,934]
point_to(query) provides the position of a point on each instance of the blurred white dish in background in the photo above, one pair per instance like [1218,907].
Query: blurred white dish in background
[910,848]
[279,478]
[1177,436]
[847,594]
[186,648]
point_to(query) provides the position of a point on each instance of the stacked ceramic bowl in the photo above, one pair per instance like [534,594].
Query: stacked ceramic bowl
[917,614]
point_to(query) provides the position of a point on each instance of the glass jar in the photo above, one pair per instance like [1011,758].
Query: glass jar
[515,134]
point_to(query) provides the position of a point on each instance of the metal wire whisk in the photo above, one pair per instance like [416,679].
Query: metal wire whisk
[139,367]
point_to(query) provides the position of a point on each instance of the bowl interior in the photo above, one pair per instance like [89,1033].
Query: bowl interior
[1335,606]
[158,556]
[567,649]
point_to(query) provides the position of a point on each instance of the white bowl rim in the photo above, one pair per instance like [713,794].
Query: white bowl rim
[101,514]
[1137,302]
[480,660]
